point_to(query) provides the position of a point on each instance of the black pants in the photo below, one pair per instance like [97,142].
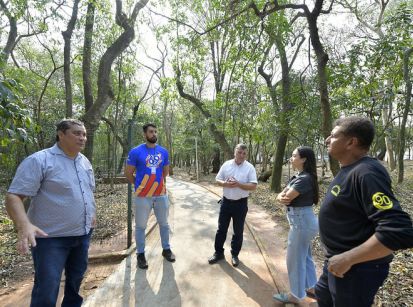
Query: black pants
[237,210]
[356,289]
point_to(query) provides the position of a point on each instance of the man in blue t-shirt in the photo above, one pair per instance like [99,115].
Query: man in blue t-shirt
[147,167]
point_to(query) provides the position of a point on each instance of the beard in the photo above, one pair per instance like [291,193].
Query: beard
[152,140]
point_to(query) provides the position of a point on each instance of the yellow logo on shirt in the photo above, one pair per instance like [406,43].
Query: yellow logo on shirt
[381,201]
[335,190]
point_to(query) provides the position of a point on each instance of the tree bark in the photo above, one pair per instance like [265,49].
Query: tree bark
[87,55]
[408,98]
[385,112]
[216,161]
[11,39]
[105,93]
[322,59]
[285,123]
[67,36]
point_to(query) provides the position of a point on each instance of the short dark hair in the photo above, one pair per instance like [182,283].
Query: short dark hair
[66,124]
[310,166]
[145,127]
[242,147]
[360,127]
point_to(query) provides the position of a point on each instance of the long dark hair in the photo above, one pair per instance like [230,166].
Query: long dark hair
[310,166]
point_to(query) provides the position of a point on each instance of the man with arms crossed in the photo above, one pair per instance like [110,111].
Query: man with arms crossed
[237,177]
[361,222]
[147,167]
[61,216]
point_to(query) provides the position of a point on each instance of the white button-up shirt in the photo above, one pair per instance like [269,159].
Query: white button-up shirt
[243,173]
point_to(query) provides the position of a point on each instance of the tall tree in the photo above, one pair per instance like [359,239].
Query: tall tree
[67,36]
[276,30]
[319,50]
[19,13]
[408,98]
[87,55]
[11,39]
[105,94]
[372,21]
[218,59]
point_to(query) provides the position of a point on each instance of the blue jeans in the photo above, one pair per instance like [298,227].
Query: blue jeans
[237,210]
[357,289]
[50,257]
[300,264]
[144,205]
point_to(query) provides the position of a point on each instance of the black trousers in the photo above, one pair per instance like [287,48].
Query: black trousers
[237,210]
[357,289]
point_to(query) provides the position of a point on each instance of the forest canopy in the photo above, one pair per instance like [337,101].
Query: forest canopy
[271,74]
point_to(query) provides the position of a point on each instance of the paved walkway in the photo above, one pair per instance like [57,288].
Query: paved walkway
[191,281]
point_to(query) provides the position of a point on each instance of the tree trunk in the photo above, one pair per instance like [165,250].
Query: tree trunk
[105,92]
[278,163]
[264,158]
[216,161]
[67,36]
[322,59]
[408,98]
[387,138]
[87,55]
[11,39]
[285,123]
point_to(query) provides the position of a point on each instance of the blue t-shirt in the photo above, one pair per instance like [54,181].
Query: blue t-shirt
[149,164]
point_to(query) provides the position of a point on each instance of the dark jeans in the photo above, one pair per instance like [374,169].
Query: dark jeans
[237,210]
[356,289]
[50,257]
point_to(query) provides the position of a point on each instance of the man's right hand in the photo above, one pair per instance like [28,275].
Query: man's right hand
[231,182]
[27,237]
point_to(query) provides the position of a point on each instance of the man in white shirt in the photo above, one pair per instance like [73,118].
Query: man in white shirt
[237,177]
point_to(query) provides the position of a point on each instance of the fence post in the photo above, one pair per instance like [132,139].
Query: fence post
[129,243]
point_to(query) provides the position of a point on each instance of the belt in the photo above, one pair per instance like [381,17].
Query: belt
[234,200]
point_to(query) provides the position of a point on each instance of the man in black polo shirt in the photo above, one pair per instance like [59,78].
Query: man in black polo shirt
[361,222]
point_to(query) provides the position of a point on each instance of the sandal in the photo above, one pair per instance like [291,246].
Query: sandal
[285,298]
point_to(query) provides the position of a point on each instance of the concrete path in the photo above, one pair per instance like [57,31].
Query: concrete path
[190,281]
